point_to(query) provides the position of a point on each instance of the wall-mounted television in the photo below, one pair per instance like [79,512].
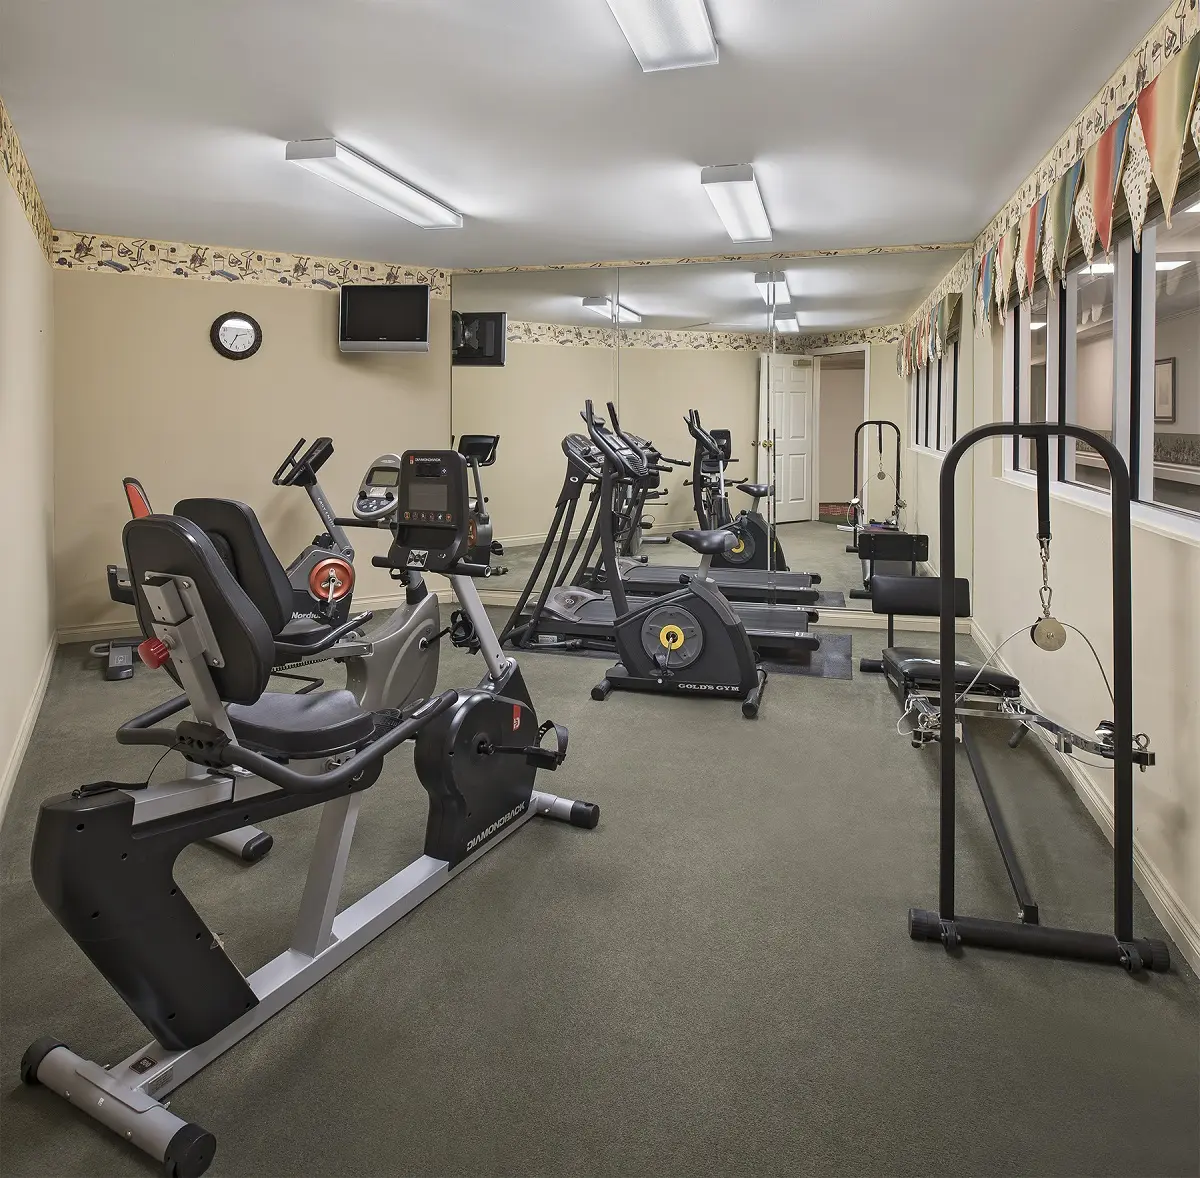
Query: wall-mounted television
[382,318]
[479,338]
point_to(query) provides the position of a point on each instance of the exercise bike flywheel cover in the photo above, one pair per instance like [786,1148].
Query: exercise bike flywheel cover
[335,567]
[672,634]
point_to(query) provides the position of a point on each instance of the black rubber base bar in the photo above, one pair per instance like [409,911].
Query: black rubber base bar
[1102,948]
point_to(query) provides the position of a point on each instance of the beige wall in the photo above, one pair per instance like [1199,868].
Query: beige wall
[841,414]
[888,402]
[26,486]
[1180,338]
[1166,587]
[140,390]
[533,402]
[659,385]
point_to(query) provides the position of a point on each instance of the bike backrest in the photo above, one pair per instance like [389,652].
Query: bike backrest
[240,541]
[919,596]
[136,497]
[177,547]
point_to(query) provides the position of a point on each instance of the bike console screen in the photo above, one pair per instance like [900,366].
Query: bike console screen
[432,512]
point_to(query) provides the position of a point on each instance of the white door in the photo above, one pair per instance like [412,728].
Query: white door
[786,383]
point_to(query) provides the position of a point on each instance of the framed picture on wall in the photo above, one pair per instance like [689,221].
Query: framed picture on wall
[1164,390]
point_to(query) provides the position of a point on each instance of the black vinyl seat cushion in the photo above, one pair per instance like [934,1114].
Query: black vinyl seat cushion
[923,670]
[707,542]
[314,725]
[303,632]
[755,490]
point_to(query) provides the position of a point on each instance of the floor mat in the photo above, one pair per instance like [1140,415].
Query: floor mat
[833,661]
[831,601]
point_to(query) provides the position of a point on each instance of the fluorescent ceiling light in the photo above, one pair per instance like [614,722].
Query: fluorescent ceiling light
[1171,264]
[603,305]
[774,288]
[340,165]
[667,34]
[1036,326]
[1100,268]
[786,321]
[734,193]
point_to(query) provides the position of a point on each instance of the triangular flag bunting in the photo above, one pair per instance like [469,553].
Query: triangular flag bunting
[1102,174]
[1196,127]
[1060,202]
[1031,231]
[989,282]
[1164,107]
[1136,181]
[1085,220]
[1005,257]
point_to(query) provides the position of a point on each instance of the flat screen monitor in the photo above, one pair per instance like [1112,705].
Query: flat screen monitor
[382,318]
[479,338]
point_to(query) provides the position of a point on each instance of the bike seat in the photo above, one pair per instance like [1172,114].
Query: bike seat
[707,543]
[314,725]
[757,490]
[303,632]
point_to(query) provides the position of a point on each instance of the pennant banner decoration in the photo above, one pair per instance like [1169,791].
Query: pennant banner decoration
[1005,258]
[1164,107]
[1031,233]
[1102,174]
[989,281]
[1136,181]
[1060,202]
[1085,222]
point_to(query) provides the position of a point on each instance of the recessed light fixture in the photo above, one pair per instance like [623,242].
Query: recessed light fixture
[735,195]
[773,287]
[1171,264]
[341,165]
[1036,326]
[603,305]
[667,34]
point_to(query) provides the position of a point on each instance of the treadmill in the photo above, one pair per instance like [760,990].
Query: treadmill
[761,586]
[576,618]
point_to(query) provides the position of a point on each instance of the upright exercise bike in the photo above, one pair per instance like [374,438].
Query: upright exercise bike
[689,642]
[103,856]
[480,450]
[755,544]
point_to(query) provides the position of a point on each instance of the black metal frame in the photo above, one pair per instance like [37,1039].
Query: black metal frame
[879,424]
[1119,948]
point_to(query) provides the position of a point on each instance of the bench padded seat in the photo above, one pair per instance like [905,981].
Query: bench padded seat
[922,669]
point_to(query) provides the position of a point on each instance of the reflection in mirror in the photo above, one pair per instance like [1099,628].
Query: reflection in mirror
[559,349]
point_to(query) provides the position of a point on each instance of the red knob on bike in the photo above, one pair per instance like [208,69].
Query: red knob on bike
[154,652]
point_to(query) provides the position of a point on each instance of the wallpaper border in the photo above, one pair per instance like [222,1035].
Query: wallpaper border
[562,335]
[213,263]
[20,176]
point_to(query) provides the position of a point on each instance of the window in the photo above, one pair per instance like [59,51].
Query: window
[1091,400]
[1033,340]
[954,397]
[1167,413]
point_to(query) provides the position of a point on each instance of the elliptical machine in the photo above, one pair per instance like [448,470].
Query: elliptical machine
[756,545]
[689,642]
[480,450]
[103,855]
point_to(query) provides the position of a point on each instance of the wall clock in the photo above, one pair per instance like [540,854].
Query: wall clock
[236,335]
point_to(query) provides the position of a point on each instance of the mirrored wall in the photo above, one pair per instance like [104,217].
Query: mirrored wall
[716,343]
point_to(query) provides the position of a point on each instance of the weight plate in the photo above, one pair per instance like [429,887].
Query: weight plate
[331,579]
[672,637]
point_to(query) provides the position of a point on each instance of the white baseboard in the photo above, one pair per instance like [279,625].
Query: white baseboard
[1166,904]
[17,753]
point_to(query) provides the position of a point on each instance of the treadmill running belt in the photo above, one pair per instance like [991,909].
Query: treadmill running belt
[737,584]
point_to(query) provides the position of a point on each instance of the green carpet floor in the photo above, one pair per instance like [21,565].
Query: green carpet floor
[718,980]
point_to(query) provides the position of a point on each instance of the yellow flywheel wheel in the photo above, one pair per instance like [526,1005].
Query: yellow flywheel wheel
[671,637]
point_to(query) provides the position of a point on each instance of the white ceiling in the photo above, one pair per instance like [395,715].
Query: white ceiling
[868,121]
[828,293]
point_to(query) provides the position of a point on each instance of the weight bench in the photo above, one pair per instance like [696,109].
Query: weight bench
[887,546]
